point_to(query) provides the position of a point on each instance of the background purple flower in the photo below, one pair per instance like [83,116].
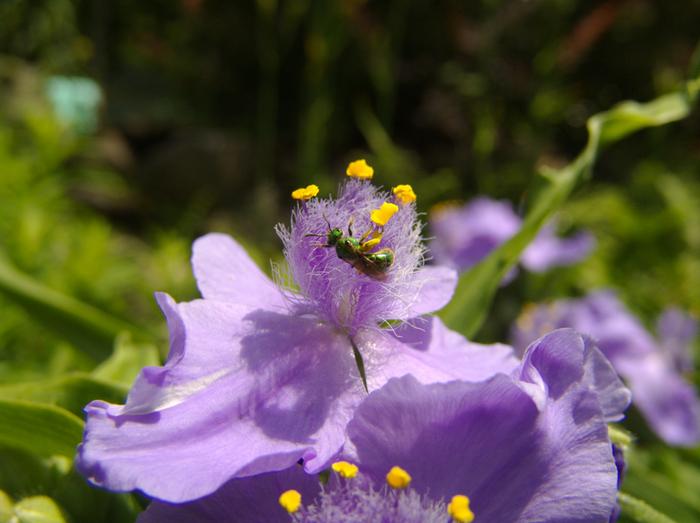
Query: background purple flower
[258,378]
[464,235]
[651,367]
[531,446]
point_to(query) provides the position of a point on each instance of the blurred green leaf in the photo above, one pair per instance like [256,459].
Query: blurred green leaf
[89,328]
[127,360]
[477,287]
[23,473]
[38,509]
[44,430]
[71,392]
[6,507]
[639,511]
[665,482]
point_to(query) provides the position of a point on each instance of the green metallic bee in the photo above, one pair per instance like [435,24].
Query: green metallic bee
[357,252]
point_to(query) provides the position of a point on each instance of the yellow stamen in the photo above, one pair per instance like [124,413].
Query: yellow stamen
[290,500]
[382,215]
[459,509]
[370,244]
[398,478]
[305,193]
[360,169]
[404,194]
[345,469]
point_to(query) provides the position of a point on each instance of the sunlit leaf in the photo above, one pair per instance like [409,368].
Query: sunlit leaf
[89,328]
[38,509]
[127,360]
[6,507]
[44,430]
[71,392]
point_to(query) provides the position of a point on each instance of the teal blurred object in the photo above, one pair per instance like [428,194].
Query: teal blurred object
[76,101]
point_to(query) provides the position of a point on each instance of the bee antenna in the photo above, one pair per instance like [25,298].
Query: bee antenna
[327,222]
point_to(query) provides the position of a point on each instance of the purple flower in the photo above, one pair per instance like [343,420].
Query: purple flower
[465,235]
[651,367]
[259,377]
[527,446]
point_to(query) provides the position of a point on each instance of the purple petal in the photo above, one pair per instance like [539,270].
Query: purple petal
[581,483]
[670,405]
[525,452]
[431,352]
[277,388]
[548,250]
[466,235]
[225,272]
[564,359]
[245,500]
[676,331]
[428,290]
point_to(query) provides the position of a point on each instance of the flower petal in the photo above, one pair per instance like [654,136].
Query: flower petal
[547,460]
[563,359]
[429,290]
[466,235]
[548,250]
[676,331]
[225,272]
[269,389]
[245,500]
[670,405]
[431,352]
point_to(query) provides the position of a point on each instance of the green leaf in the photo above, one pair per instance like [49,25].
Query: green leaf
[477,287]
[44,430]
[71,392]
[6,507]
[619,436]
[127,360]
[663,480]
[22,472]
[90,329]
[38,509]
[640,511]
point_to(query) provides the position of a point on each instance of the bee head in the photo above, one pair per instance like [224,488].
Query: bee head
[334,235]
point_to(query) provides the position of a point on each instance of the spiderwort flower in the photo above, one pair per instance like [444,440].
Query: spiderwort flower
[467,234]
[652,368]
[259,376]
[529,445]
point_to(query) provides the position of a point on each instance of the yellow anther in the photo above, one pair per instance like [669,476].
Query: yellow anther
[345,469]
[370,244]
[290,500]
[404,194]
[359,169]
[382,215]
[398,478]
[305,193]
[459,509]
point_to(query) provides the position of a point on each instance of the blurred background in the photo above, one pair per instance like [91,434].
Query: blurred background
[128,128]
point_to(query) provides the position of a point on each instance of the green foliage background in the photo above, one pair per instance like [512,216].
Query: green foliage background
[214,111]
